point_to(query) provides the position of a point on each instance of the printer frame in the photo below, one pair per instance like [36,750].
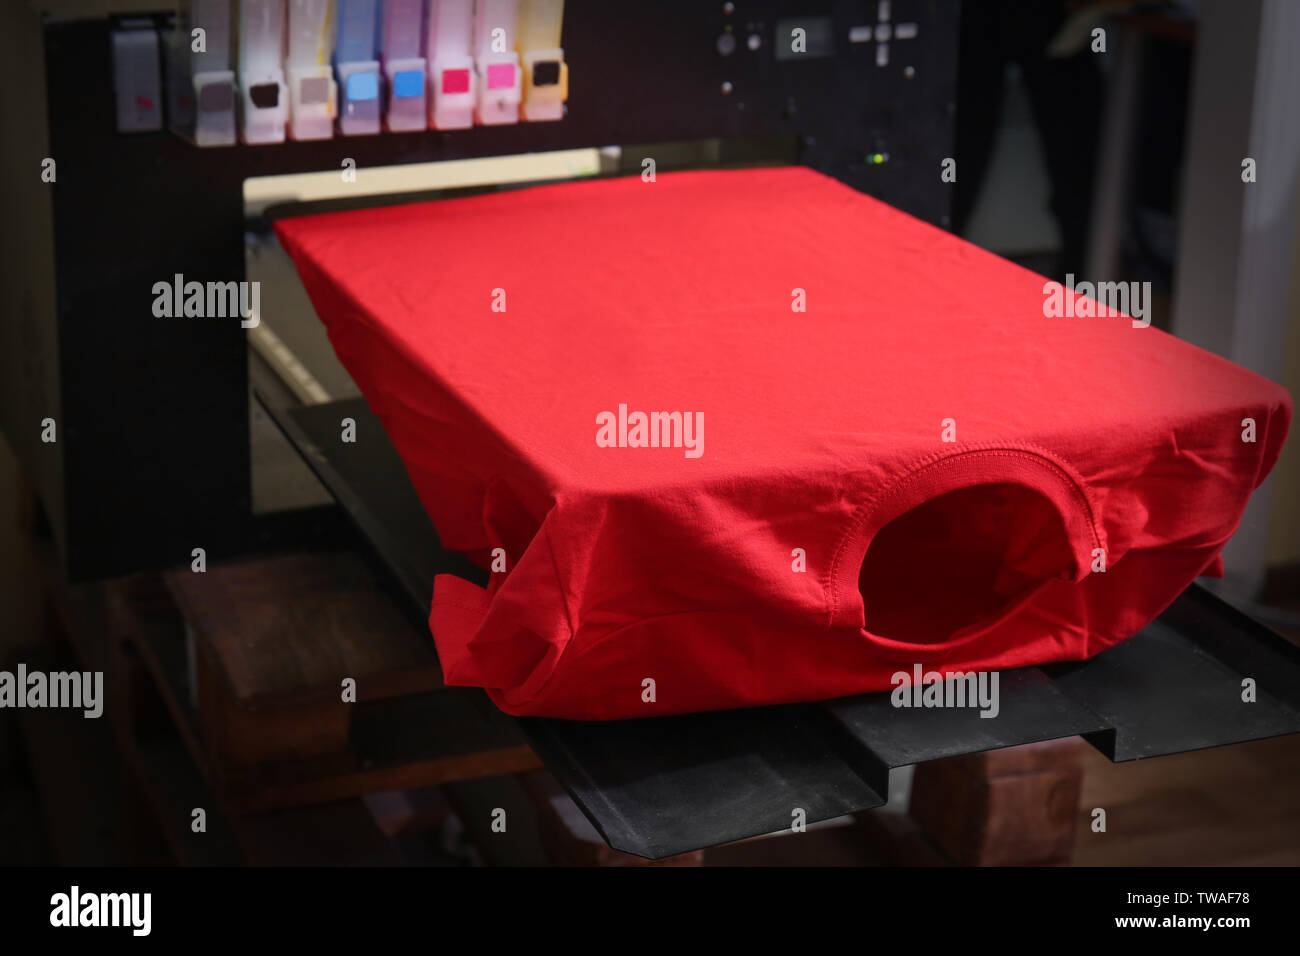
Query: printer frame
[152,455]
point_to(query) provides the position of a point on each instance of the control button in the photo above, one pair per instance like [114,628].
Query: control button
[727,88]
[754,41]
[726,44]
[882,32]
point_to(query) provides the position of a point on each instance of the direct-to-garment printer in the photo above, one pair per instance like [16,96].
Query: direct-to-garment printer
[141,163]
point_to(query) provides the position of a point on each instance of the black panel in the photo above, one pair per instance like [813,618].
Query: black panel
[668,785]
[155,410]
[1031,708]
[1178,685]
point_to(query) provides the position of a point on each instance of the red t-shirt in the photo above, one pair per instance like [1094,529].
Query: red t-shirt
[921,466]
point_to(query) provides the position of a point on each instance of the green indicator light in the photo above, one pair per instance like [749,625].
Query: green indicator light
[876,159]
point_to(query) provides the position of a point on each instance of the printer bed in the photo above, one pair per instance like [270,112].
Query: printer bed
[657,787]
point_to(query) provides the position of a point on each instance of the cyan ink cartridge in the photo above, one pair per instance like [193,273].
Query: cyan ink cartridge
[402,56]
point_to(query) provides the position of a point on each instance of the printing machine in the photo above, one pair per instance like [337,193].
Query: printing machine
[216,433]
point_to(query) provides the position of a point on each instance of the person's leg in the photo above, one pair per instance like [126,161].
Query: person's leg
[980,70]
[1066,97]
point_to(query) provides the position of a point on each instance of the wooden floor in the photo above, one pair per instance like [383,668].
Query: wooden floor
[1230,806]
